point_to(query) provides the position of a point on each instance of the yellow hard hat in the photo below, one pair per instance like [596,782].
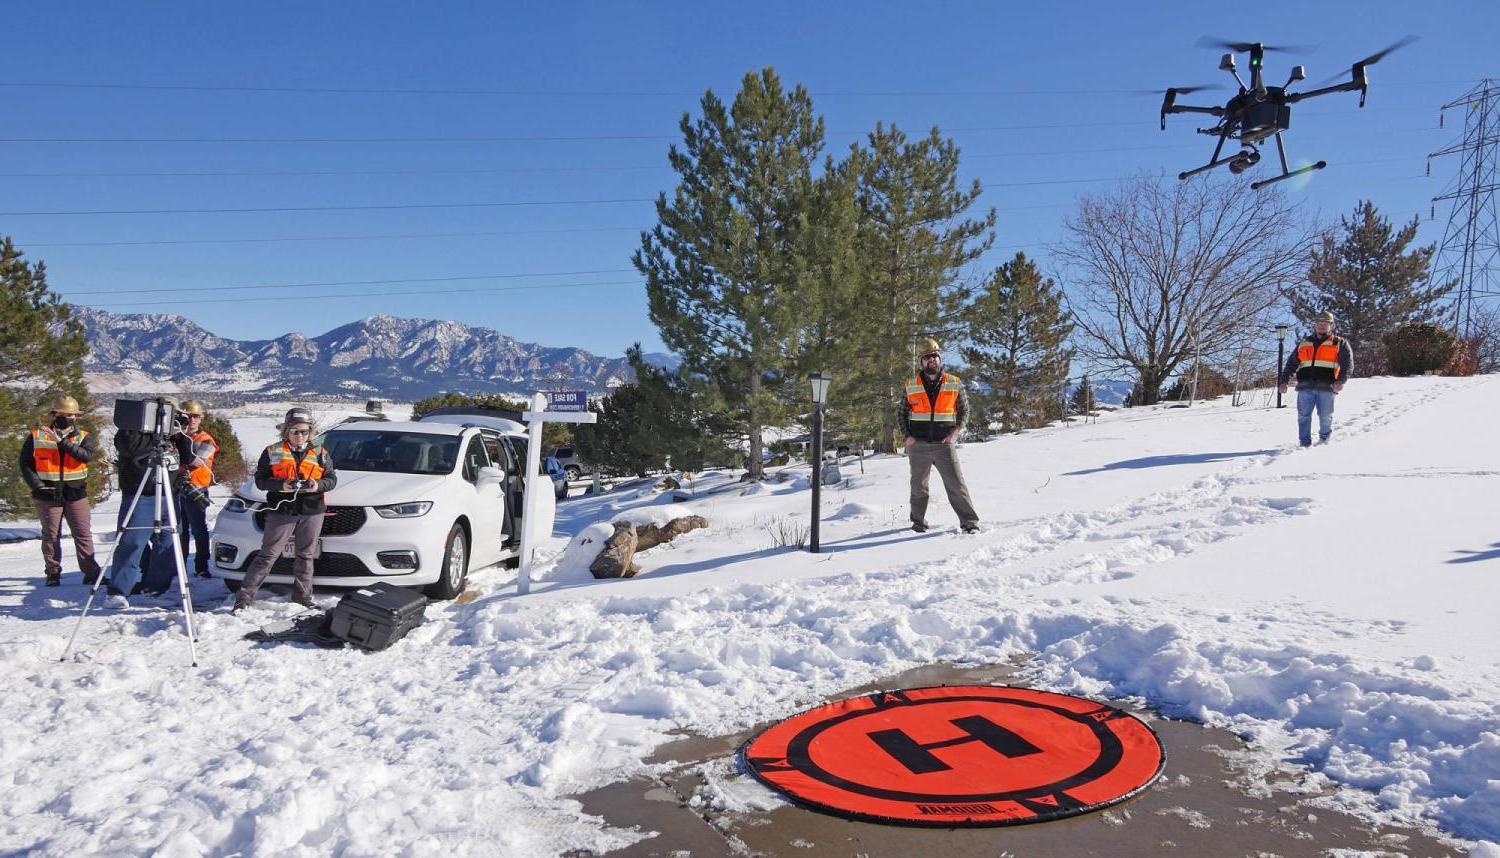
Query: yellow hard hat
[1325,316]
[65,405]
[929,346]
[194,407]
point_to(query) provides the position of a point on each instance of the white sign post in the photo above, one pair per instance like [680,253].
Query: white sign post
[534,420]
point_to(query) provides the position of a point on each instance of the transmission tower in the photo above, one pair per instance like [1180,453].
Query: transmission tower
[1469,254]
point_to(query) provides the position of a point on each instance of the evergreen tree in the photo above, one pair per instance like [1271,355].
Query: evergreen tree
[1370,282]
[1019,331]
[1082,400]
[42,348]
[911,241]
[721,265]
[230,467]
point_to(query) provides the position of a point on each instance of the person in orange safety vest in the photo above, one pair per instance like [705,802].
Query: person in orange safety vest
[194,516]
[1321,364]
[932,416]
[54,461]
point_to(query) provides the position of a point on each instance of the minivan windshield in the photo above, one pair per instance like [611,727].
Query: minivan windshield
[392,452]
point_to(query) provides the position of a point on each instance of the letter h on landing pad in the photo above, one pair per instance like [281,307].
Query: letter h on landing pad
[919,759]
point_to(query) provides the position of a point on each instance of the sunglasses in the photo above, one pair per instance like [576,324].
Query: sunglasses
[931,356]
[299,432]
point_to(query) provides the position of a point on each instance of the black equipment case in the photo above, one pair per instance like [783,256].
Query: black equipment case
[377,616]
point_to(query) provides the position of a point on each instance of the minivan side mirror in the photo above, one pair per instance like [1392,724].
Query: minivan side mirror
[490,473]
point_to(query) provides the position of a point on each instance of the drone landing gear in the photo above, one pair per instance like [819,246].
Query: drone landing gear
[1285,173]
[1213,160]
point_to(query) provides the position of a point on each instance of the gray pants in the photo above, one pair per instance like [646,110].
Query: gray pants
[279,528]
[51,514]
[923,456]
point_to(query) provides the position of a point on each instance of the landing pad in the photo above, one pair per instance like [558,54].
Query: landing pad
[957,755]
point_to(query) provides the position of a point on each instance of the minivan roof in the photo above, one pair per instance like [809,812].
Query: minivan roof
[500,424]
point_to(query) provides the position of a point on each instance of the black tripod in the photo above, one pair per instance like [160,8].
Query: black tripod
[168,528]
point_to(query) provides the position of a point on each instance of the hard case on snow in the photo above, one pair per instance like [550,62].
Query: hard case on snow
[377,616]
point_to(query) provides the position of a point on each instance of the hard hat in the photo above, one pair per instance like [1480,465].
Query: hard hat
[296,416]
[929,346]
[194,407]
[65,405]
[1325,316]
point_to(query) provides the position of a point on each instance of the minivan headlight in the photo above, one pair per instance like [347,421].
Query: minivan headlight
[410,509]
[239,504]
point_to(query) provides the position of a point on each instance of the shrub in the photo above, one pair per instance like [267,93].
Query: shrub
[1419,348]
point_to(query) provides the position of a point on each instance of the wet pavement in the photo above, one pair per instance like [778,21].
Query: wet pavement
[1214,798]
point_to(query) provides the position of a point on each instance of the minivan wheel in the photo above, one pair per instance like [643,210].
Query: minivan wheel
[455,571]
[574,472]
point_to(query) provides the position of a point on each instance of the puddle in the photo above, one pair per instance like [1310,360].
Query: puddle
[1213,798]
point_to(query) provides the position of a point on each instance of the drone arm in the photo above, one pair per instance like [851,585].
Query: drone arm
[1168,105]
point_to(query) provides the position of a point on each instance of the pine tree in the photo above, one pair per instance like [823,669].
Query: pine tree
[721,264]
[230,467]
[42,348]
[912,240]
[1019,331]
[1370,282]
[1082,400]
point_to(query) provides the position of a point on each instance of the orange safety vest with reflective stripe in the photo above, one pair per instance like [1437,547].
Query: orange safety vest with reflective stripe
[205,448]
[52,464]
[1324,355]
[924,409]
[284,464]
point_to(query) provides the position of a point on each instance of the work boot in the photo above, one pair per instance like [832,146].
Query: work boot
[240,604]
[116,602]
[91,580]
[305,600]
[919,526]
[971,527]
[203,573]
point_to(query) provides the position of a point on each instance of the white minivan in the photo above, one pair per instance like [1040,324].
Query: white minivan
[418,504]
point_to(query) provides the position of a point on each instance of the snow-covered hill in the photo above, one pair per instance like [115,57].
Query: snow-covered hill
[380,355]
[1334,605]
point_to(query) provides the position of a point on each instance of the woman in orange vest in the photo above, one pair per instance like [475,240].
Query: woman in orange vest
[200,475]
[55,465]
[294,473]
[1322,363]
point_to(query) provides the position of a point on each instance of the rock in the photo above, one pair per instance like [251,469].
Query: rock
[650,535]
[617,558]
[668,483]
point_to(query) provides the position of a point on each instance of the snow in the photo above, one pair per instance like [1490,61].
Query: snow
[1332,605]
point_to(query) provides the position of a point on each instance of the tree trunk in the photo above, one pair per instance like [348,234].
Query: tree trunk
[756,469]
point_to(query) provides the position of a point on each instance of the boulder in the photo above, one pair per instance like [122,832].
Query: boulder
[617,558]
[651,535]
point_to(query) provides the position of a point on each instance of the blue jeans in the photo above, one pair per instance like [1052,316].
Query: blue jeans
[1307,400]
[193,526]
[130,550]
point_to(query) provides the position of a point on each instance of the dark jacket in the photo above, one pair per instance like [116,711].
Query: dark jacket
[295,503]
[934,432]
[1318,378]
[69,444]
[135,450]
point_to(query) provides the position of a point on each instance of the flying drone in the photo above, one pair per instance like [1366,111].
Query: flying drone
[1261,111]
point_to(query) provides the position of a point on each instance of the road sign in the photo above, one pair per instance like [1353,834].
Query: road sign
[567,400]
[972,755]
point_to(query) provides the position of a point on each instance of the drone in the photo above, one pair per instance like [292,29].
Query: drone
[1259,111]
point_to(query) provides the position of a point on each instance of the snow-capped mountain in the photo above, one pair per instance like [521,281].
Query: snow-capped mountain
[384,355]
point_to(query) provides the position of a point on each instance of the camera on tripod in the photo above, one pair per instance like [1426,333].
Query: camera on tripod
[160,418]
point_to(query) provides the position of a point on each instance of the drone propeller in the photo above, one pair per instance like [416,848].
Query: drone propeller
[1242,47]
[1179,90]
[1374,58]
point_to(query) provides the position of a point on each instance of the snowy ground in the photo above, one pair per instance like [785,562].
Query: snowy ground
[1336,605]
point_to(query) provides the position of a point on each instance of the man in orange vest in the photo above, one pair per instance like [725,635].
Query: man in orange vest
[1322,363]
[294,473]
[200,475]
[55,465]
[932,415]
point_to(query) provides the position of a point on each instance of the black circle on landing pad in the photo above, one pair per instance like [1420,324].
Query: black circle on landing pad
[957,756]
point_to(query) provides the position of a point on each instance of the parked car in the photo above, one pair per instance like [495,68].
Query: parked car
[418,504]
[568,458]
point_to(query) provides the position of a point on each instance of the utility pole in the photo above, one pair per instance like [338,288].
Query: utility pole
[1469,254]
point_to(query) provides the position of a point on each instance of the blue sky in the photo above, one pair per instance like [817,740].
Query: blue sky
[595,94]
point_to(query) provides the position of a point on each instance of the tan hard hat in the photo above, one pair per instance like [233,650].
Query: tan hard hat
[928,346]
[1325,316]
[65,405]
[194,407]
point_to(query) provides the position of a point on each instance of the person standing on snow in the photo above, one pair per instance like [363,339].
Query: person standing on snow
[54,464]
[932,416]
[1322,362]
[194,527]
[294,473]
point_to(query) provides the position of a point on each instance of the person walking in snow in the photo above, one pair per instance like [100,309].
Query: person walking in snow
[1322,363]
[932,416]
[295,474]
[54,462]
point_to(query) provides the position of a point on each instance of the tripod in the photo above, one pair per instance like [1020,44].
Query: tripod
[158,468]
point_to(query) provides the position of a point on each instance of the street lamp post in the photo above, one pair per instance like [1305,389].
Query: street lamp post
[1280,358]
[819,382]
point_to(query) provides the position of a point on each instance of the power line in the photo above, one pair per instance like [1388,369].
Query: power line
[182,302]
[393,206]
[365,237]
[445,279]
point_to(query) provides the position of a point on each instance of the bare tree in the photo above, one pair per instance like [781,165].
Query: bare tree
[1161,272]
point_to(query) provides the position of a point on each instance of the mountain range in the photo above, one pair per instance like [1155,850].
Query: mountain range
[379,356]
